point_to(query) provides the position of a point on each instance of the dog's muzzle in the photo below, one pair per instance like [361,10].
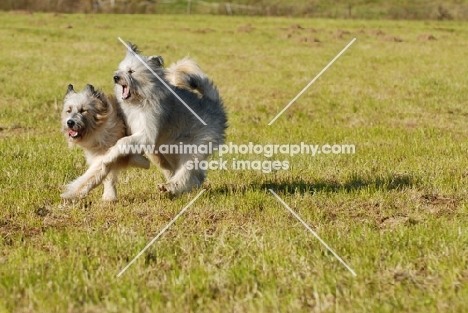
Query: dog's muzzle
[125,90]
[74,132]
[71,123]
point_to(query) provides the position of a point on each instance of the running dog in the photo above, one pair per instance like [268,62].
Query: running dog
[95,122]
[150,97]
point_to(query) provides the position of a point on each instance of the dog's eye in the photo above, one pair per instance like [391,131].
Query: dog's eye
[69,111]
[82,111]
[131,71]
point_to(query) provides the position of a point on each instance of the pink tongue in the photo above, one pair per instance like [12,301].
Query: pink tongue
[124,92]
[72,133]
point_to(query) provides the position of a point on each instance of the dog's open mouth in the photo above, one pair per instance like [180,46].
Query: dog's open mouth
[74,134]
[125,92]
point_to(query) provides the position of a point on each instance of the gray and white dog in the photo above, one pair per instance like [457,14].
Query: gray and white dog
[155,116]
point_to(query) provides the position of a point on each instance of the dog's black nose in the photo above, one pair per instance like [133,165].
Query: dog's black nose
[70,123]
[116,79]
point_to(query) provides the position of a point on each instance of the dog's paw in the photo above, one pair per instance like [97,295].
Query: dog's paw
[168,187]
[69,192]
[109,198]
[66,196]
[168,192]
[64,203]
[110,193]
[70,196]
[162,187]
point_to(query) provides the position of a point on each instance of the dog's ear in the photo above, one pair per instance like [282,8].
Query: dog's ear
[70,89]
[101,96]
[156,61]
[90,90]
[133,48]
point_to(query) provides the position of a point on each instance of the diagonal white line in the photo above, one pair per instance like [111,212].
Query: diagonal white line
[312,81]
[161,80]
[161,232]
[313,233]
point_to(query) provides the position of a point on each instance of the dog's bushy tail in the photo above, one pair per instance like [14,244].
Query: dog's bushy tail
[187,74]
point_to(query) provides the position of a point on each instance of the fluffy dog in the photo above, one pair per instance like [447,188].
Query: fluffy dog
[155,116]
[95,123]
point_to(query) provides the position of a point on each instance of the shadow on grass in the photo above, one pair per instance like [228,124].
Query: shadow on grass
[301,186]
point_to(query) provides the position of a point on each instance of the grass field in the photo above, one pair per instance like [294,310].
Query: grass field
[395,211]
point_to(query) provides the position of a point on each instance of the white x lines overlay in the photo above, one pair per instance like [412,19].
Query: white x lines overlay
[312,81]
[162,81]
[203,190]
[161,232]
[313,233]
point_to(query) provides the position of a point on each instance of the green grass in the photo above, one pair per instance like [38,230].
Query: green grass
[395,211]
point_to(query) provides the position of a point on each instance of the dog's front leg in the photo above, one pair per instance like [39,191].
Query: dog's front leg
[100,169]
[124,146]
[110,191]
[81,186]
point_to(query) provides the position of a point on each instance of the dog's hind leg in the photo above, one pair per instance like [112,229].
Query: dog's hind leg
[184,179]
[163,164]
